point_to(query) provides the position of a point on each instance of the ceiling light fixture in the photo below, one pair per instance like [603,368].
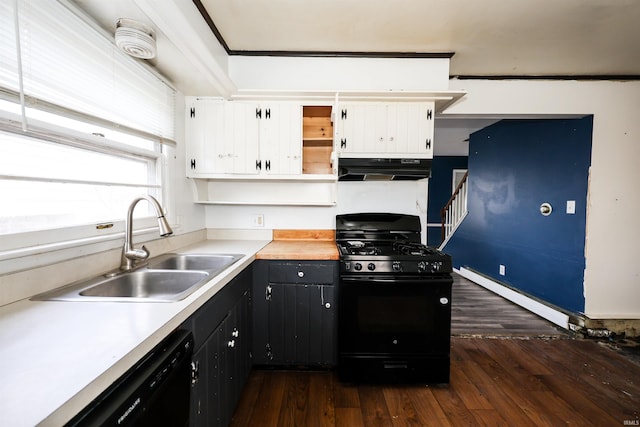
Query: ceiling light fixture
[135,38]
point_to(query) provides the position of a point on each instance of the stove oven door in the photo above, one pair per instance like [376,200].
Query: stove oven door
[394,325]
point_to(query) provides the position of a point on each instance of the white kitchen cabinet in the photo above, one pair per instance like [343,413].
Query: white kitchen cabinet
[242,138]
[204,125]
[280,148]
[384,129]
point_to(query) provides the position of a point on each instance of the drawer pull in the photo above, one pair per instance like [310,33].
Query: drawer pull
[300,274]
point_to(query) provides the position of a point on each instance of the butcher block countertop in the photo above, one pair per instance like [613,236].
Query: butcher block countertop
[301,244]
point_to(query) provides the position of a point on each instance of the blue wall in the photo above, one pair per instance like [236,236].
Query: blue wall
[440,191]
[514,167]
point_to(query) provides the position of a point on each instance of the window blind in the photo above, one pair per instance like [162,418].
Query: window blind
[68,63]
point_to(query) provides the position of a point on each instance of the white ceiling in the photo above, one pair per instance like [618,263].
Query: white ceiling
[564,38]
[488,37]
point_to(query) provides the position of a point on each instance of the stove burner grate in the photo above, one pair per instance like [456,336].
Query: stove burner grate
[362,248]
[412,248]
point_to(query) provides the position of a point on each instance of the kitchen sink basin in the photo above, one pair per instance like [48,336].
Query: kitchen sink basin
[147,284]
[206,262]
[169,277]
[143,285]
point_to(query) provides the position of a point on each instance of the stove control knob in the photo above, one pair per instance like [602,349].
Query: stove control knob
[371,266]
[357,266]
[396,266]
[435,267]
[422,266]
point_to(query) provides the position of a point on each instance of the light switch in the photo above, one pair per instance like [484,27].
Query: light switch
[571,207]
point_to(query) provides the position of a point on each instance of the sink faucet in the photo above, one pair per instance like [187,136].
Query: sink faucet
[131,256]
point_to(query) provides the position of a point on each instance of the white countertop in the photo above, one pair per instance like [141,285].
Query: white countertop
[56,357]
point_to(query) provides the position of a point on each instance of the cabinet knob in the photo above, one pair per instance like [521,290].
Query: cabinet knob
[390,139]
[195,372]
[327,305]
[231,343]
[301,274]
[235,333]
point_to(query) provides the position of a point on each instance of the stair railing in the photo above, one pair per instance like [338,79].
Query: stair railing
[454,211]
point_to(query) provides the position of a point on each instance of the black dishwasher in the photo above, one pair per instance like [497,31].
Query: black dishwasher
[154,392]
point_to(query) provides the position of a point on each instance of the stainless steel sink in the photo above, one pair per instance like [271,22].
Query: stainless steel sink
[207,262]
[147,284]
[170,277]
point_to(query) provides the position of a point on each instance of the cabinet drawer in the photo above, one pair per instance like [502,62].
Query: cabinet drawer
[302,272]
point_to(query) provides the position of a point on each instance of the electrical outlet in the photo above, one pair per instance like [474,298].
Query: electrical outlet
[571,207]
[502,270]
[258,220]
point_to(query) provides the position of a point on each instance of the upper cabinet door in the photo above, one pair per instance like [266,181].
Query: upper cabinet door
[204,126]
[242,139]
[281,139]
[410,128]
[395,129]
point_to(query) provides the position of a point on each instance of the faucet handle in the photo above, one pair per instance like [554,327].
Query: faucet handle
[142,253]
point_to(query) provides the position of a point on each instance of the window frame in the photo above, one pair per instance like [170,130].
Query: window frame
[57,244]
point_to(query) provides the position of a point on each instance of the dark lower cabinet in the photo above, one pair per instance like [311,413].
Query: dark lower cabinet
[199,398]
[294,313]
[222,357]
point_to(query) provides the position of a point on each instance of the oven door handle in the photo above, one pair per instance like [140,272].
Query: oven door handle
[390,279]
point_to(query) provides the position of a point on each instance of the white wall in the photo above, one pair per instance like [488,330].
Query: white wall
[408,197]
[350,74]
[612,275]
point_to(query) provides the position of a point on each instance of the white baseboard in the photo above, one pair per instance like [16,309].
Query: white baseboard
[554,316]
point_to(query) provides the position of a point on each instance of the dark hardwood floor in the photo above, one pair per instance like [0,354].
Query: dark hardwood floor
[508,368]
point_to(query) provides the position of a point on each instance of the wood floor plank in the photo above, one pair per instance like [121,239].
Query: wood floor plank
[604,365]
[468,392]
[452,406]
[592,369]
[295,400]
[429,410]
[345,395]
[401,409]
[508,405]
[489,418]
[267,407]
[576,398]
[322,412]
[518,406]
[349,417]
[374,407]
[559,408]
[526,359]
[513,374]
[463,358]
[518,378]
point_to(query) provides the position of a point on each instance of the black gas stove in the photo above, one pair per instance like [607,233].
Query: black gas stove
[394,301]
[386,243]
